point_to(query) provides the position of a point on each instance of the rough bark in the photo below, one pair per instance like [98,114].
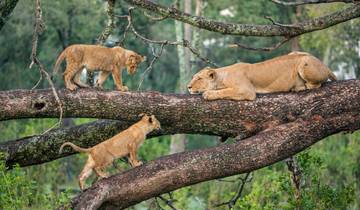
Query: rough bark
[302,2]
[6,8]
[296,29]
[172,172]
[177,114]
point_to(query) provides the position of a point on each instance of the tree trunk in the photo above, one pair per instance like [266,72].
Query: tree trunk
[177,114]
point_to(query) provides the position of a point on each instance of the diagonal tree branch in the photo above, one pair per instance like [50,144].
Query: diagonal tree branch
[175,171]
[177,114]
[251,29]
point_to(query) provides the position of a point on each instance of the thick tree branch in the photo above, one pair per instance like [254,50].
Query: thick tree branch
[177,114]
[302,2]
[175,171]
[6,8]
[251,29]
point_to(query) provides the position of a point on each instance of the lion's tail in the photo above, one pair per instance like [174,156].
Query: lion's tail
[332,76]
[76,148]
[59,61]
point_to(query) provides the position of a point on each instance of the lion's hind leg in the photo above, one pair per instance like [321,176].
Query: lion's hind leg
[70,71]
[86,172]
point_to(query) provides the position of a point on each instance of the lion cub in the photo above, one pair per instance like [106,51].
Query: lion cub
[293,72]
[125,143]
[97,58]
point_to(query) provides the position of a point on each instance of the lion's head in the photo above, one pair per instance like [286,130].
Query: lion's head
[204,80]
[132,61]
[151,121]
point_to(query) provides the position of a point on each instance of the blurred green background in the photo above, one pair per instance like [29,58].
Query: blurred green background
[331,168]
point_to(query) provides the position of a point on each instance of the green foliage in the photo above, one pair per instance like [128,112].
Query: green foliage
[19,191]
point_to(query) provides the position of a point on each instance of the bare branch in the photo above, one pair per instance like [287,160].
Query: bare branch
[251,29]
[242,181]
[148,69]
[38,29]
[302,2]
[184,43]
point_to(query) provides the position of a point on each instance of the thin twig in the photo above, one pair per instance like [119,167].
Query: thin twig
[184,43]
[168,202]
[148,69]
[267,49]
[38,29]
[231,203]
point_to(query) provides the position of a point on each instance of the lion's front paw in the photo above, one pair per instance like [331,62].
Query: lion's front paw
[209,95]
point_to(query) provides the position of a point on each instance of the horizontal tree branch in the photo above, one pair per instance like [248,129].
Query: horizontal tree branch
[302,2]
[172,172]
[177,114]
[252,29]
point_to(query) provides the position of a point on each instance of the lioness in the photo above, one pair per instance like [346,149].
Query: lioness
[125,143]
[293,72]
[97,58]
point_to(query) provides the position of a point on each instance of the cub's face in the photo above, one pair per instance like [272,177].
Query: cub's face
[132,61]
[151,121]
[202,81]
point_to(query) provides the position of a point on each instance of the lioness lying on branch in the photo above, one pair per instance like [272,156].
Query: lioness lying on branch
[293,72]
[125,143]
[97,58]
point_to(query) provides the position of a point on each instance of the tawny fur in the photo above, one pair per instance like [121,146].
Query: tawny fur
[293,72]
[97,58]
[125,143]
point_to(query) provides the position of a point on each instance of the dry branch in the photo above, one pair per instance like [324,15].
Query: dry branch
[179,170]
[292,30]
[302,2]
[177,114]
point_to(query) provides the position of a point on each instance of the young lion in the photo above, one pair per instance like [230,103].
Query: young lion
[293,72]
[95,57]
[125,143]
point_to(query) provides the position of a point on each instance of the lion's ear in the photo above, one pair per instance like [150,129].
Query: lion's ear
[150,119]
[211,73]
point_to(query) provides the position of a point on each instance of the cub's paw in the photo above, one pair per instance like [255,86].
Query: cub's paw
[72,87]
[123,88]
[207,95]
[138,163]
